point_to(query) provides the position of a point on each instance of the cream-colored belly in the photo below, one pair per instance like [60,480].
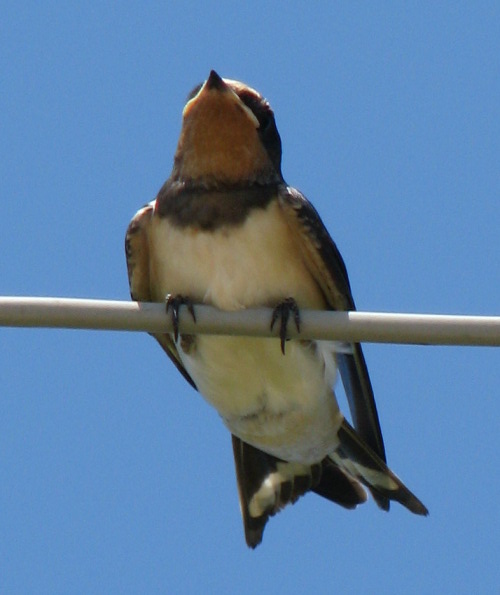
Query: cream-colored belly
[283,404]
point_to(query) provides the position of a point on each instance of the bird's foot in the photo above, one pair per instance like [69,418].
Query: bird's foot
[283,311]
[174,303]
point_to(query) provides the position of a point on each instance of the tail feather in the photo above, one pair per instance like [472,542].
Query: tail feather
[338,486]
[358,459]
[267,484]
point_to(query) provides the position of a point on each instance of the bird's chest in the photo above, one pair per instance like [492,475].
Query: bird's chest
[268,399]
[255,263]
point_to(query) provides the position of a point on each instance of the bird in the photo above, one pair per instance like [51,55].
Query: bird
[226,230]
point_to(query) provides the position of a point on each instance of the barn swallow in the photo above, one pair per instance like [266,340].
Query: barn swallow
[226,230]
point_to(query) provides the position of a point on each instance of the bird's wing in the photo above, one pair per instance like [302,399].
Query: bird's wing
[138,265]
[327,267]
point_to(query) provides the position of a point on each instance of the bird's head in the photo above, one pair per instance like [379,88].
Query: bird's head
[228,136]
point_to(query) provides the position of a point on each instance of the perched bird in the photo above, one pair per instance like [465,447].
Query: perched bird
[226,230]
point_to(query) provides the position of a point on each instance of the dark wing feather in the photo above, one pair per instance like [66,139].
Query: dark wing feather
[359,390]
[137,253]
[328,268]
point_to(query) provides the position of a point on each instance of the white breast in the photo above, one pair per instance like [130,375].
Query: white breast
[257,263]
[282,404]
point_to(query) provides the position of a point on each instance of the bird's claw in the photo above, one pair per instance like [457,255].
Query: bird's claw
[282,311]
[174,303]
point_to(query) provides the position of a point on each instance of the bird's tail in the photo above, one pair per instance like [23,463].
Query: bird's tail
[358,460]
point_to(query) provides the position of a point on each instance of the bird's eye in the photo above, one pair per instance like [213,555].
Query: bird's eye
[265,121]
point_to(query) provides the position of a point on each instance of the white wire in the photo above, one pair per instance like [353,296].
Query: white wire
[375,327]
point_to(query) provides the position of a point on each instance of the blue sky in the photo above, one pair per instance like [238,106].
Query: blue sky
[115,476]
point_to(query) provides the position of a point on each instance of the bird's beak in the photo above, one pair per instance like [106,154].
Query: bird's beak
[215,89]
